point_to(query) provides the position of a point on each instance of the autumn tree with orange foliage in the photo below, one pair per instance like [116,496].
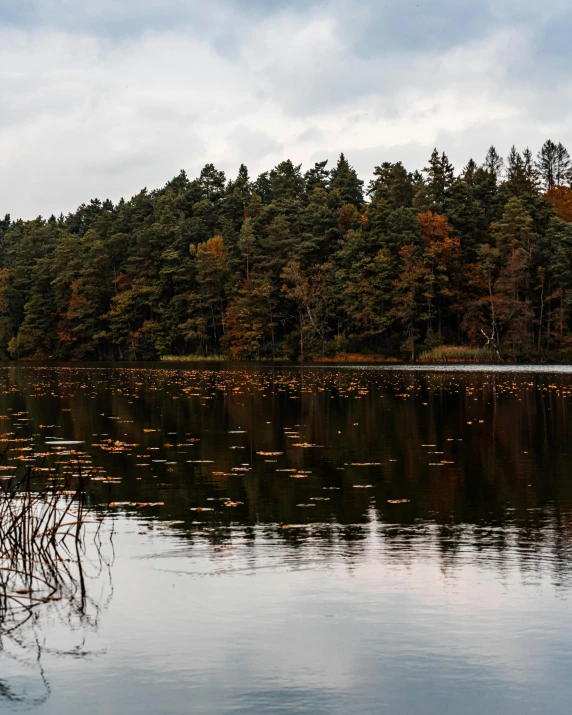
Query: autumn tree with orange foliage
[561,198]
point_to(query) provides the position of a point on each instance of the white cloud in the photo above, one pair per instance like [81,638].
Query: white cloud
[96,105]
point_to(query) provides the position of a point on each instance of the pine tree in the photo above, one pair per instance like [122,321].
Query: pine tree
[553,164]
[318,177]
[493,163]
[344,180]
[394,184]
[439,177]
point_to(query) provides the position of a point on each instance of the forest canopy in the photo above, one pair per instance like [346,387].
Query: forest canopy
[302,265]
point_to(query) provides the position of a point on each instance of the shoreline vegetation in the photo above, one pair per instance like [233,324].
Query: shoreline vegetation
[450,354]
[453,354]
[442,265]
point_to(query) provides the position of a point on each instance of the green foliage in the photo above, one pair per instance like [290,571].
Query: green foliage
[301,265]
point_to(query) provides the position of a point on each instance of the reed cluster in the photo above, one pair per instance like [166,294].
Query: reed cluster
[458,354]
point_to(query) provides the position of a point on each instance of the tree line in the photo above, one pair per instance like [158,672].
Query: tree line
[302,265]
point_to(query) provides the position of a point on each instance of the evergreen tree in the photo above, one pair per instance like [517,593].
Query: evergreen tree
[439,177]
[553,164]
[345,182]
[493,163]
[318,177]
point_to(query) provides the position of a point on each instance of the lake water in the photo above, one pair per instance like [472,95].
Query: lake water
[326,540]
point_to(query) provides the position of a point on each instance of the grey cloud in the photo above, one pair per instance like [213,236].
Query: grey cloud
[551,44]
[370,27]
[103,98]
[312,134]
[367,28]
[120,18]
[254,144]
[378,28]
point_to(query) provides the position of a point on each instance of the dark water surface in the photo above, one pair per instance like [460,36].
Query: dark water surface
[328,540]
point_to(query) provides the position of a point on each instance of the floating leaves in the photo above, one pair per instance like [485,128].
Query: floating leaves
[136,504]
[308,452]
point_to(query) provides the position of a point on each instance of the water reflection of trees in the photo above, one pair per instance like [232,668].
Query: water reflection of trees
[52,562]
[507,551]
[504,492]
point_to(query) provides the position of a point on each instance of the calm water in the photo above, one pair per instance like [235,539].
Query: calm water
[352,540]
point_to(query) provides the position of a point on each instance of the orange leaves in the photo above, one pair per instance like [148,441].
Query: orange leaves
[137,505]
[307,445]
[214,246]
[436,235]
[561,198]
[349,217]
[434,226]
[122,282]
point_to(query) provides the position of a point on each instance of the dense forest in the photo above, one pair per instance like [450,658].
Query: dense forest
[295,265]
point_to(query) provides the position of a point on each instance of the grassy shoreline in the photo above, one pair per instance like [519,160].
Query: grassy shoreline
[444,354]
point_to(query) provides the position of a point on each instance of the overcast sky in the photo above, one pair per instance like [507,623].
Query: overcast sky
[99,99]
